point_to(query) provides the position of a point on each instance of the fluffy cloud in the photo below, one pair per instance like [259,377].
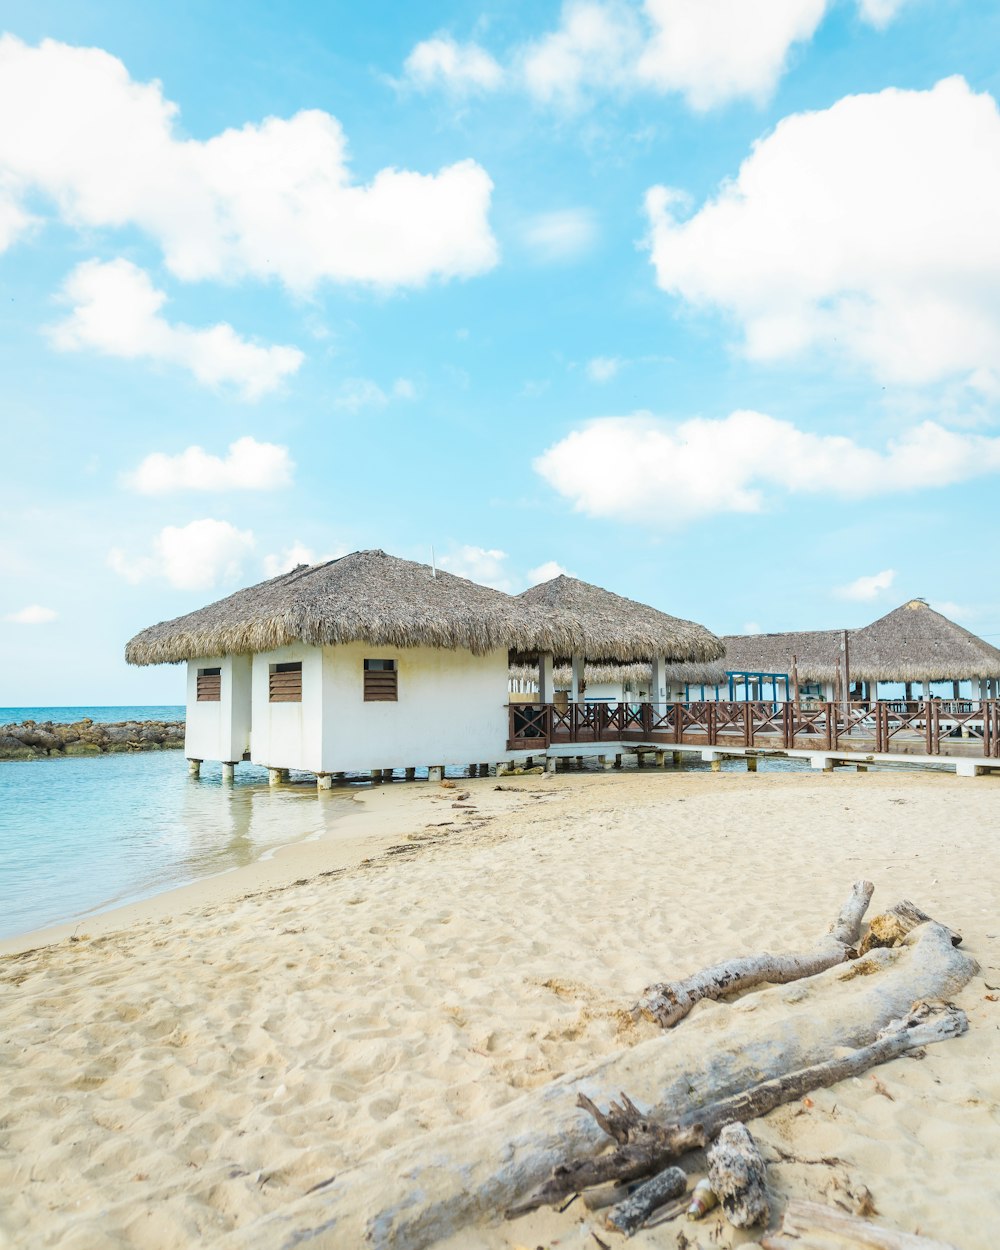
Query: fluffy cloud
[865,588]
[710,51]
[116,310]
[479,564]
[196,556]
[248,466]
[459,67]
[34,614]
[270,200]
[546,572]
[298,553]
[868,228]
[685,476]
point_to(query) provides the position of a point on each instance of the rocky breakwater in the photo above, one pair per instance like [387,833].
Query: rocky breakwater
[32,740]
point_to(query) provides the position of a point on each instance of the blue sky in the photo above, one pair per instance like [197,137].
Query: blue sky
[695,299]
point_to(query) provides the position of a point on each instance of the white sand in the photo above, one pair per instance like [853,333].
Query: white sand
[176,1078]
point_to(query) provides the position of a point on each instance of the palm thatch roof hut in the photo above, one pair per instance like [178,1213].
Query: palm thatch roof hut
[916,643]
[367,596]
[608,628]
[629,676]
[816,653]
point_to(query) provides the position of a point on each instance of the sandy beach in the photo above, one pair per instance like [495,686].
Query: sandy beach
[178,1070]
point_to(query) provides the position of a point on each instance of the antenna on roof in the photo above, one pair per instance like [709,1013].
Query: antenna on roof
[434,571]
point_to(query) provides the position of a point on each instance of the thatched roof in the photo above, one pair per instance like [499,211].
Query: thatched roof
[817,653]
[634,676]
[367,596]
[912,643]
[915,643]
[605,627]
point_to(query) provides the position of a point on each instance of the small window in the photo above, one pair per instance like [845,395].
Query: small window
[380,681]
[209,685]
[285,683]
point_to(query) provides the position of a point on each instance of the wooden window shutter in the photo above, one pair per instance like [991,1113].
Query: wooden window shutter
[209,685]
[285,683]
[381,681]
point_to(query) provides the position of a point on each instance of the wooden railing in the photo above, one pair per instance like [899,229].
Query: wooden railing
[954,727]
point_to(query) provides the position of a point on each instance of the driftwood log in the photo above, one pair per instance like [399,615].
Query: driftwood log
[667,1002]
[431,1186]
[632,1212]
[738,1175]
[811,1226]
[890,927]
[646,1143]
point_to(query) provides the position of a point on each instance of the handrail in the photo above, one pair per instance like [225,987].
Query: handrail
[885,727]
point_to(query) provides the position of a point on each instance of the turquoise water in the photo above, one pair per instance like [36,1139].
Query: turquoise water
[106,715]
[83,834]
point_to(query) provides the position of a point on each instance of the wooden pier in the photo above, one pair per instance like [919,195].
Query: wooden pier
[962,731]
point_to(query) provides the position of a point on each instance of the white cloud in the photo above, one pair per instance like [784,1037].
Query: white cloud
[603,368]
[459,67]
[546,572]
[248,466]
[271,200]
[116,310]
[34,614]
[594,47]
[298,553]
[700,467]
[752,627]
[478,564]
[865,588]
[196,556]
[711,52]
[879,13]
[561,235]
[358,393]
[715,51]
[868,228]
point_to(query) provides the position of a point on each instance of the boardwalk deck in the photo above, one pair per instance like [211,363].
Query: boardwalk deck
[935,731]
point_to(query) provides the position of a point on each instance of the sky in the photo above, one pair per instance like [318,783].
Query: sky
[698,300]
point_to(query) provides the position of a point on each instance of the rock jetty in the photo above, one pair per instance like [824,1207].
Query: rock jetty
[32,740]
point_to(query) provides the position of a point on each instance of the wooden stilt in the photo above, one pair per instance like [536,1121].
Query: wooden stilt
[678,758]
[229,770]
[435,772]
[275,776]
[618,761]
[194,768]
[716,764]
[409,773]
[324,781]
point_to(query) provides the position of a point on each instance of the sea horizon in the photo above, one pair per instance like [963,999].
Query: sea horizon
[70,713]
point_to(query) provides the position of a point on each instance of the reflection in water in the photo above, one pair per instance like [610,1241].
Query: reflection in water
[80,835]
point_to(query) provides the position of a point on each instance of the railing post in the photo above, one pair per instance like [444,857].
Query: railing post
[749,710]
[647,719]
[786,725]
[829,726]
[928,726]
[678,723]
[711,724]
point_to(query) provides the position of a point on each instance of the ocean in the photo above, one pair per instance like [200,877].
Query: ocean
[81,834]
[106,715]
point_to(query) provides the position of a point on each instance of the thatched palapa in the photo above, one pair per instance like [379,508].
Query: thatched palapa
[915,643]
[607,628]
[816,652]
[367,596]
[633,676]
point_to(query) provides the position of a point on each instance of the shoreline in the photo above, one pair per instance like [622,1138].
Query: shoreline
[352,837]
